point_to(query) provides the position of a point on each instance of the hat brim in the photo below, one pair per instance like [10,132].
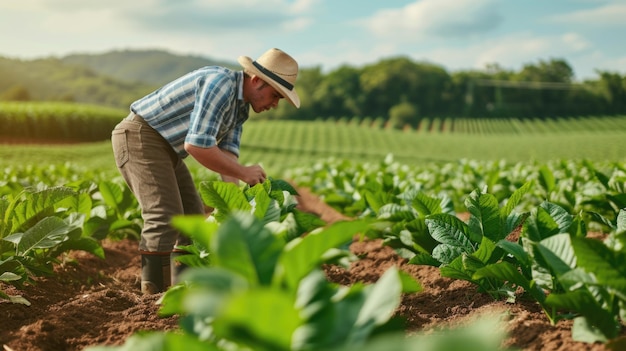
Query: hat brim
[290,95]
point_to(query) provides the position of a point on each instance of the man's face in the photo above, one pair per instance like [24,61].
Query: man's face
[264,97]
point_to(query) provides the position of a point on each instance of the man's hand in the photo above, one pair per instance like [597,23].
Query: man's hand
[254,174]
[226,164]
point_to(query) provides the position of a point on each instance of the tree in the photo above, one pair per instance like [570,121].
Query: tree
[16,93]
[395,80]
[402,114]
[339,93]
[613,91]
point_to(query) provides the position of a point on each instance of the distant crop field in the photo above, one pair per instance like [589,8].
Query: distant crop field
[57,121]
[290,143]
[279,145]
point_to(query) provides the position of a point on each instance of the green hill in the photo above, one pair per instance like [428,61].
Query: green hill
[154,67]
[112,79]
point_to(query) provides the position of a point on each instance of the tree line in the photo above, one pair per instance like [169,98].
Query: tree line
[398,90]
[403,91]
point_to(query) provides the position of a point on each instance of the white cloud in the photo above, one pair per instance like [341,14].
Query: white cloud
[515,50]
[575,41]
[607,15]
[445,18]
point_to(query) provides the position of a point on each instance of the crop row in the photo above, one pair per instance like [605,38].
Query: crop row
[527,229]
[47,121]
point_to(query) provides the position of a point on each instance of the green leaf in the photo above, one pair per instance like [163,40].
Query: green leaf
[517,251]
[206,291]
[448,229]
[424,259]
[261,318]
[302,255]
[558,253]
[546,220]
[514,200]
[282,185]
[445,253]
[9,276]
[243,245]
[505,271]
[485,217]
[583,302]
[485,250]
[546,179]
[307,221]
[225,197]
[197,228]
[380,304]
[425,205]
[36,205]
[608,266]
[456,270]
[47,233]
[621,221]
[261,203]
[112,194]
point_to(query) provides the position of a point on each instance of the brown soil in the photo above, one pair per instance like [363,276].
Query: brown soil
[90,301]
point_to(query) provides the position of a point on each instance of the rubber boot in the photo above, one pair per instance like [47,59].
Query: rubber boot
[155,273]
[176,267]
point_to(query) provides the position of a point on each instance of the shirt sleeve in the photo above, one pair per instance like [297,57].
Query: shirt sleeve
[231,142]
[212,106]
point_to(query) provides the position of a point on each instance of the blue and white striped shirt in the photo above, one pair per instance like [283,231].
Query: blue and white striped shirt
[204,108]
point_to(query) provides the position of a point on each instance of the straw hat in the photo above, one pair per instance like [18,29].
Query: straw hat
[277,69]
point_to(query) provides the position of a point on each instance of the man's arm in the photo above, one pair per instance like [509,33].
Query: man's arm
[226,164]
[228,178]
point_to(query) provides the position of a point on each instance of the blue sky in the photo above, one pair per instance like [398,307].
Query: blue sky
[456,34]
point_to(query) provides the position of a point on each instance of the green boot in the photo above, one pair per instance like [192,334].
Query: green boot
[155,273]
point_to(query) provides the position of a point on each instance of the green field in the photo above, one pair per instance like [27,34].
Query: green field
[280,145]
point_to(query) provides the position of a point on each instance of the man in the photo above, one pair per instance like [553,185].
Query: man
[199,114]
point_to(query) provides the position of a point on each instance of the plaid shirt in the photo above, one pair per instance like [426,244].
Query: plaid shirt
[203,108]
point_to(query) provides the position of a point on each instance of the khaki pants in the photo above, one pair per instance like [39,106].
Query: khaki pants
[158,178]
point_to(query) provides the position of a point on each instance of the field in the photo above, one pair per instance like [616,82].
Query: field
[92,301]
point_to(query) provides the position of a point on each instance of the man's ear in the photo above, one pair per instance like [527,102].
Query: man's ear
[255,80]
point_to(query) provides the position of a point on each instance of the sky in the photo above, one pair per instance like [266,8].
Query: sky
[589,35]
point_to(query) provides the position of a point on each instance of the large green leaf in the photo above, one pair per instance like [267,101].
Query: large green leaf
[456,270]
[583,302]
[397,212]
[547,179]
[242,244]
[546,220]
[380,303]
[264,319]
[426,205]
[448,229]
[35,205]
[197,228]
[46,234]
[608,266]
[507,272]
[558,253]
[225,197]
[486,251]
[261,202]
[302,255]
[112,194]
[485,217]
